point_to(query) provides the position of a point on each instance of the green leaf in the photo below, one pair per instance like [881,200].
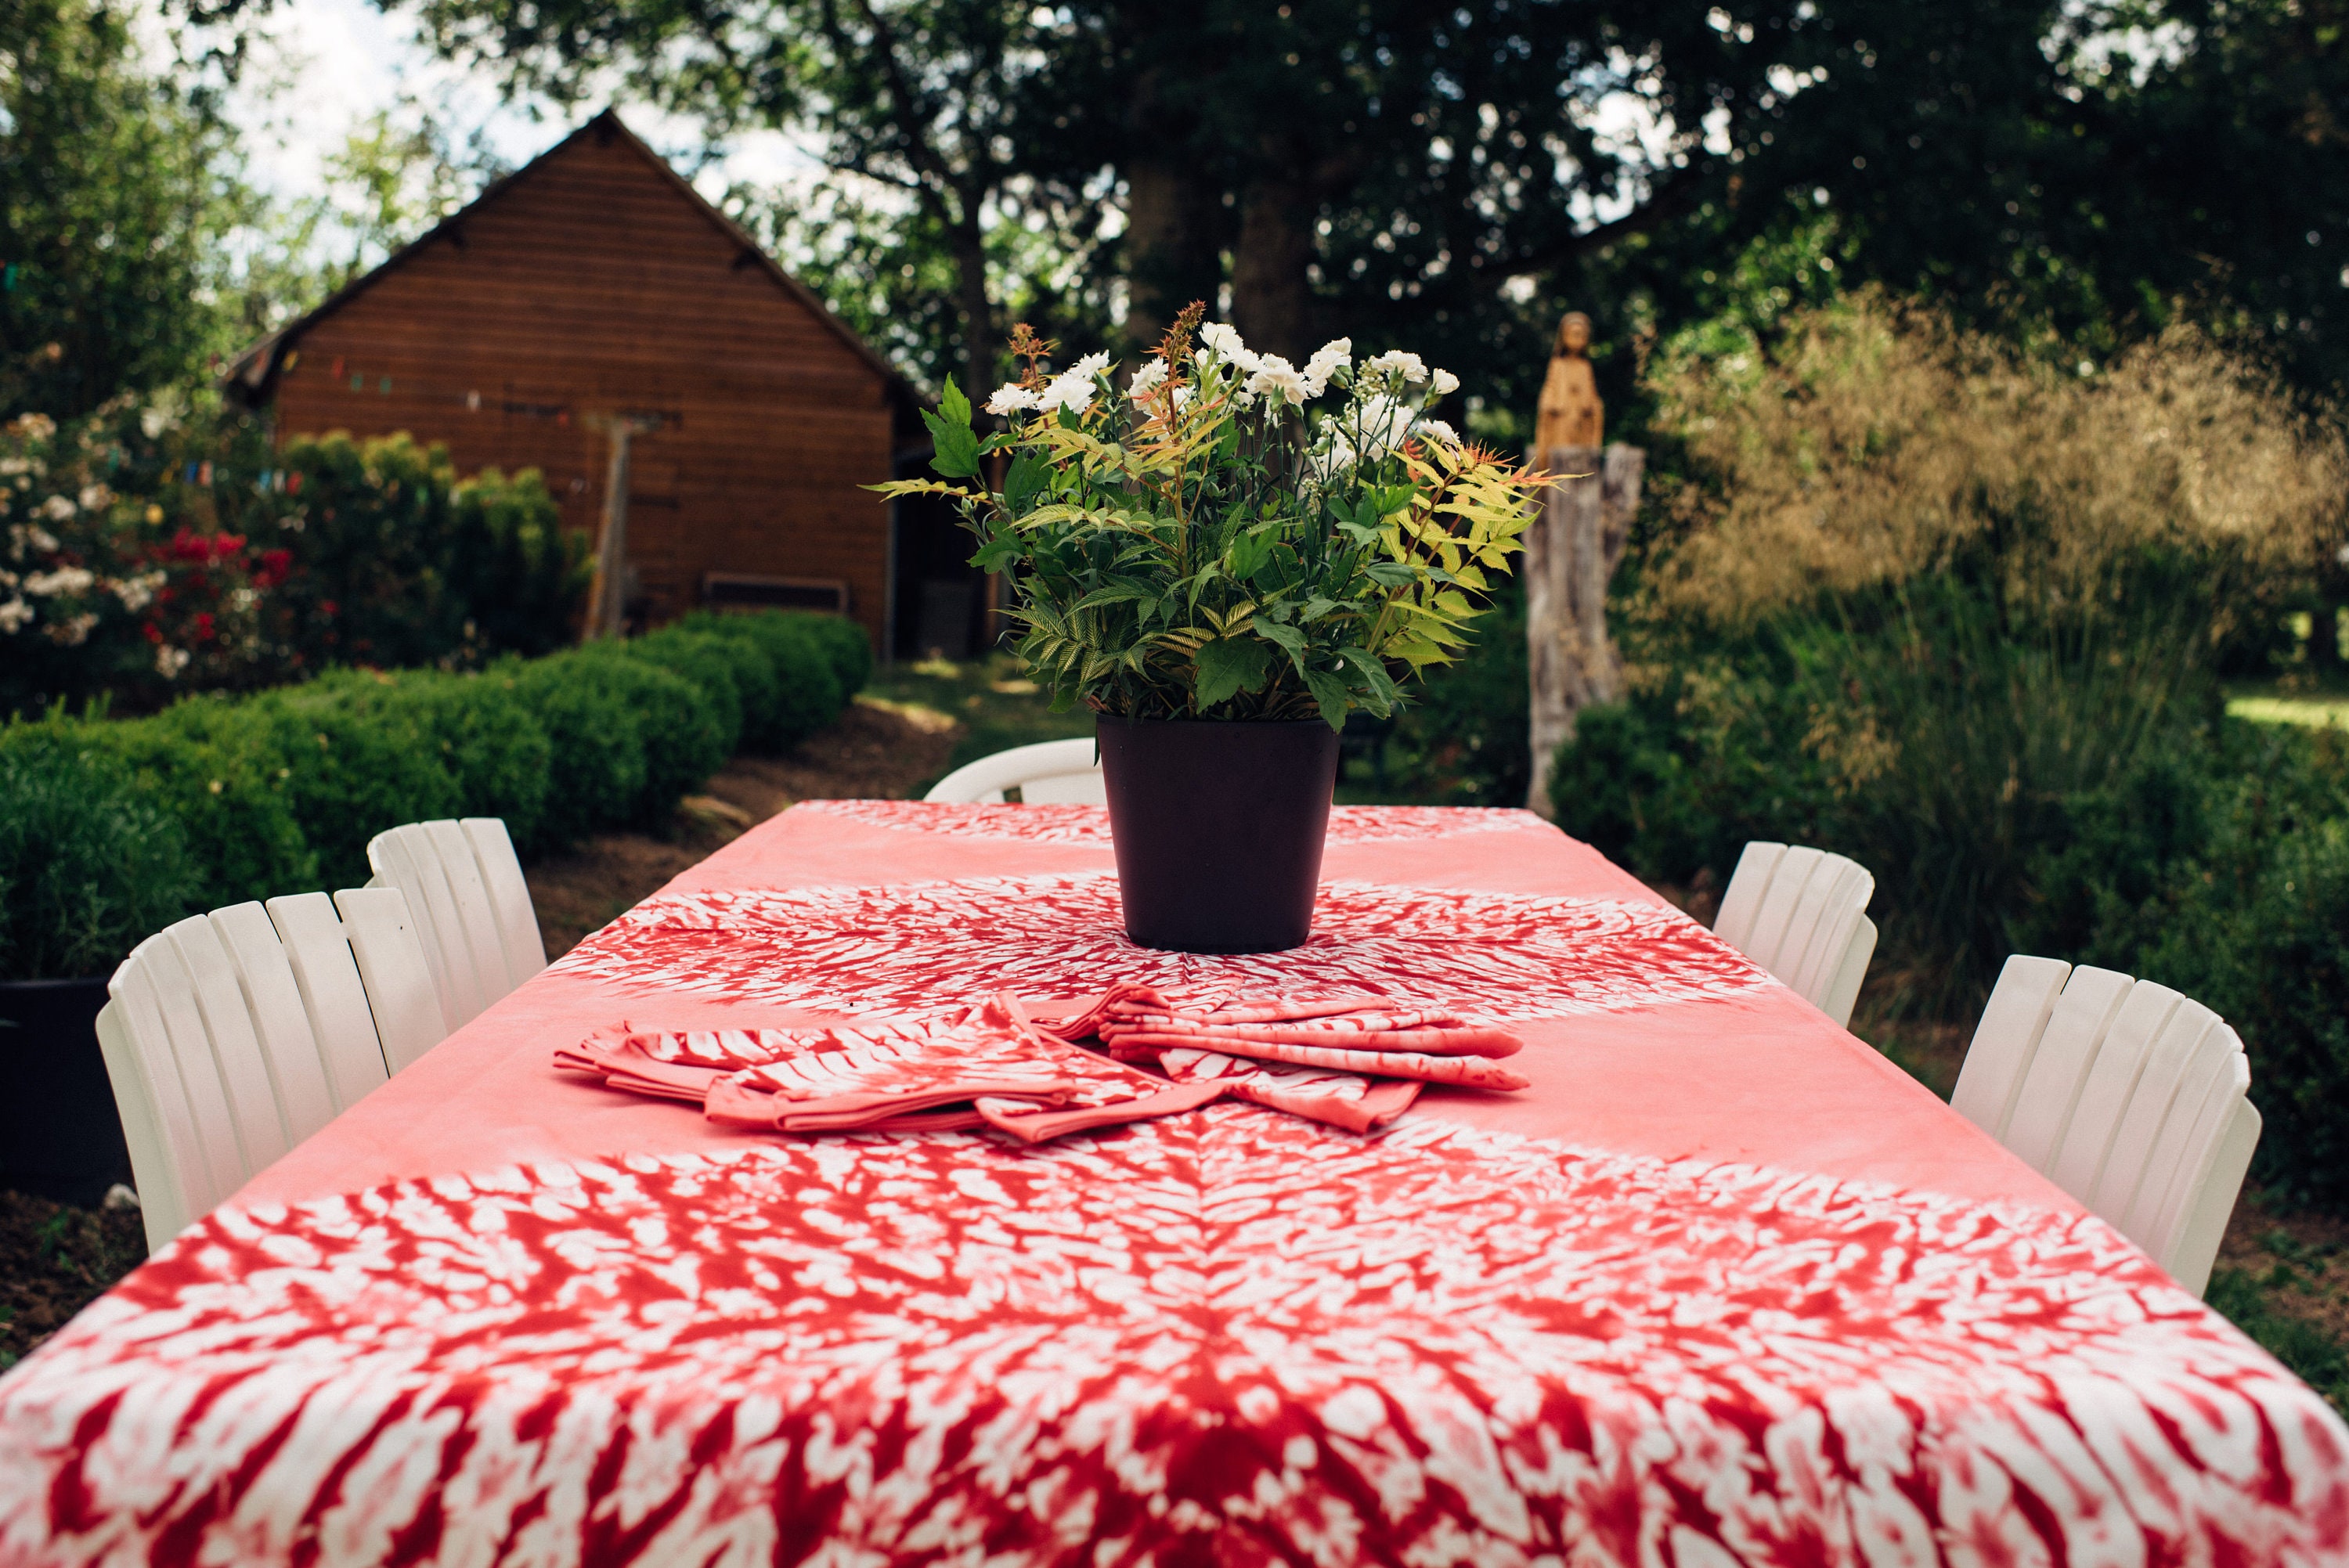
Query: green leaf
[1330,692]
[1027,478]
[1391,573]
[1229,665]
[957,446]
[954,404]
[996,554]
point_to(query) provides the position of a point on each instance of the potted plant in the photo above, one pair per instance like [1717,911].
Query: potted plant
[88,868]
[1221,560]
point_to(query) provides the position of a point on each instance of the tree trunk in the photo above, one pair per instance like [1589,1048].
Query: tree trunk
[980,340]
[1174,245]
[1571,552]
[1271,298]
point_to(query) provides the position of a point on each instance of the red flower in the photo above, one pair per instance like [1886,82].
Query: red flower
[203,626]
[154,632]
[275,567]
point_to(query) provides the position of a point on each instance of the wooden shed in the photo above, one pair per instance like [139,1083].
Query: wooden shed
[595,286]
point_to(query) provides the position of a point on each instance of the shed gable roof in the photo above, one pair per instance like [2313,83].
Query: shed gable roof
[253,375]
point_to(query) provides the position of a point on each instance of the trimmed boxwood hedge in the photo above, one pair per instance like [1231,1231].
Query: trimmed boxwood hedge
[279,793]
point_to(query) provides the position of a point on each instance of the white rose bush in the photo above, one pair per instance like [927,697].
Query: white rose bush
[1230,536]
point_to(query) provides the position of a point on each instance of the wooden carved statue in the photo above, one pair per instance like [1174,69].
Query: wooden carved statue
[1571,414]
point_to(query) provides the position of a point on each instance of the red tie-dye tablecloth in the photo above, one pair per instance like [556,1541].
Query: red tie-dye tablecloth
[1721,1287]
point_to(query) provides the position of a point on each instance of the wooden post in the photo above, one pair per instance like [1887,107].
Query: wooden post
[606,594]
[1571,552]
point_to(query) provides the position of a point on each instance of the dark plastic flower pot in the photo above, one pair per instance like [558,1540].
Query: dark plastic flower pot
[61,1136]
[1218,828]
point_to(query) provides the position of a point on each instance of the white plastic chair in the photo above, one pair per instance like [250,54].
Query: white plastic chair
[2131,1098]
[230,1038]
[1050,772]
[1798,913]
[466,890]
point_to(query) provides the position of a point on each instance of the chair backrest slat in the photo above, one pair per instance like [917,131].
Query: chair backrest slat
[1844,895]
[493,851]
[2189,1156]
[2067,1049]
[2112,1080]
[476,914]
[159,1006]
[2195,1247]
[2168,1064]
[404,860]
[1788,885]
[333,994]
[1841,992]
[1741,901]
[409,1019]
[273,1000]
[245,1074]
[2006,1040]
[156,1169]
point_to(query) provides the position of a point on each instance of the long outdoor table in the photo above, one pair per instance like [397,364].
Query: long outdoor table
[1722,1286]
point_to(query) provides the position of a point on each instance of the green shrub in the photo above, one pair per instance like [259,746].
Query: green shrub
[844,643]
[90,865]
[707,664]
[215,764]
[683,741]
[756,681]
[491,741]
[595,766]
[808,692]
[364,756]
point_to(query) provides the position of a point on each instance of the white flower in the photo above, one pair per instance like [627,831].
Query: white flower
[1146,380]
[1439,430]
[13,466]
[57,508]
[1445,383]
[1223,341]
[1277,379]
[1328,360]
[1385,421]
[138,592]
[64,579]
[1091,365]
[1411,366]
[169,661]
[154,421]
[94,497]
[1009,398]
[33,428]
[1328,464]
[13,615]
[1182,398]
[73,633]
[1068,390]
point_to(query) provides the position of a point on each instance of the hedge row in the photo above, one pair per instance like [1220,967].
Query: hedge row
[279,793]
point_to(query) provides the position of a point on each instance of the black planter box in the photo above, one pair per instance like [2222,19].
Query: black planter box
[61,1136]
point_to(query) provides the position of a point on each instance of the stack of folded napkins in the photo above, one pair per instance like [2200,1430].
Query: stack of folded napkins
[1356,1062]
[997,1070]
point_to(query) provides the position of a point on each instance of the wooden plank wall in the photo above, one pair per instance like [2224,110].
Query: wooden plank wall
[589,284]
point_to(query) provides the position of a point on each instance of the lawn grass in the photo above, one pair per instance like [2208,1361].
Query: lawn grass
[2299,701]
[997,706]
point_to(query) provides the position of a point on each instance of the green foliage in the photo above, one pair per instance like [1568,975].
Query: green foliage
[489,738]
[1188,550]
[395,560]
[683,734]
[90,865]
[215,764]
[597,762]
[114,193]
[843,642]
[364,756]
[800,649]
[708,664]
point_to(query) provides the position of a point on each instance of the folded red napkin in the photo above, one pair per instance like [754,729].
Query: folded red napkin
[1354,1062]
[996,1068]
[1351,1100]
